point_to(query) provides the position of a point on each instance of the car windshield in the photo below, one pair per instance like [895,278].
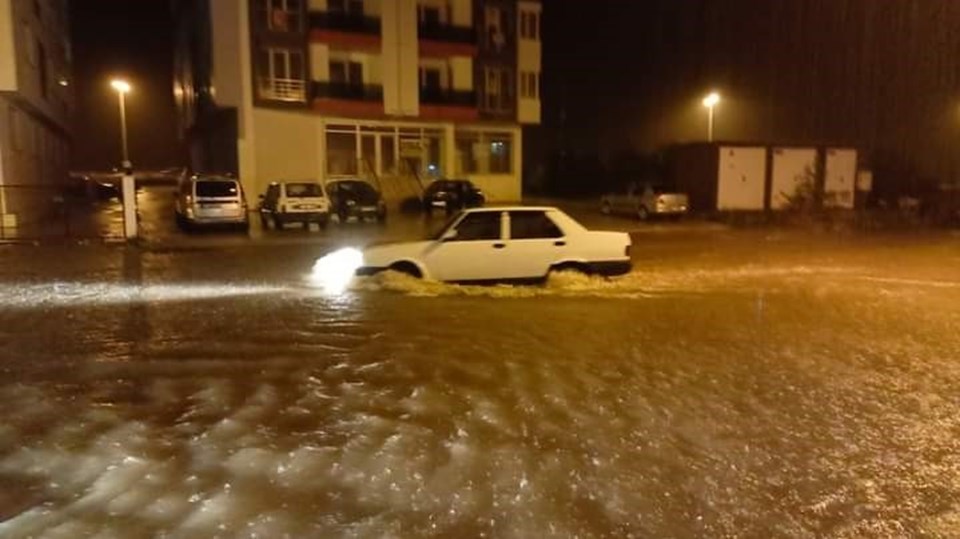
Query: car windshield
[216,188]
[361,191]
[304,190]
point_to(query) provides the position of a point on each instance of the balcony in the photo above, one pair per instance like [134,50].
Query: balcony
[292,90]
[342,90]
[449,97]
[447,33]
[344,22]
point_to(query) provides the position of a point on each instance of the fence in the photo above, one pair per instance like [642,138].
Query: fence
[55,212]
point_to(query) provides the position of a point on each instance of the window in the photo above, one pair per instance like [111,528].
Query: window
[282,15]
[498,89]
[529,85]
[529,225]
[530,25]
[495,25]
[341,153]
[484,153]
[480,226]
[353,7]
[346,72]
[216,189]
[429,15]
[431,79]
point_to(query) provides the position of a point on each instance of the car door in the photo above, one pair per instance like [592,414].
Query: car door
[475,252]
[535,243]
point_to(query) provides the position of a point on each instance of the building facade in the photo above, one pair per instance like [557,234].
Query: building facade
[35,106]
[395,91]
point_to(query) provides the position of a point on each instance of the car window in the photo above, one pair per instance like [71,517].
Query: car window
[526,225]
[479,226]
[216,189]
[303,190]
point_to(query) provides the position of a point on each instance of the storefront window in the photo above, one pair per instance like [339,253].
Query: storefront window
[341,153]
[484,153]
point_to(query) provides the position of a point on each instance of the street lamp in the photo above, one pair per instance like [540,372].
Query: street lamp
[123,88]
[128,187]
[711,101]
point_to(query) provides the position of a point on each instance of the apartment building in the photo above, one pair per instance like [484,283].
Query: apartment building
[396,91]
[35,107]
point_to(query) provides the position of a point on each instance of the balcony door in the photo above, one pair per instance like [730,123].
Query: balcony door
[282,74]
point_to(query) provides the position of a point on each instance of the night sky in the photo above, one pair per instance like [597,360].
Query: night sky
[629,74]
[133,39]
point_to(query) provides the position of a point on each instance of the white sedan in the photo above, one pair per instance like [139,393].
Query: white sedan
[504,244]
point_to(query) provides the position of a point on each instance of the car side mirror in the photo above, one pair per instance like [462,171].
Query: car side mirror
[449,235]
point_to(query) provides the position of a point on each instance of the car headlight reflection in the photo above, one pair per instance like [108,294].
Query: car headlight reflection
[333,272]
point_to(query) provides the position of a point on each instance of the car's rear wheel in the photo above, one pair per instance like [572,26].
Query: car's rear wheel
[571,267]
[278,222]
[407,268]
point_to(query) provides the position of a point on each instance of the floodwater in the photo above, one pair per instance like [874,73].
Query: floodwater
[735,386]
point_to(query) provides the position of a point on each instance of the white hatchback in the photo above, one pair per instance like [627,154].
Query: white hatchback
[504,244]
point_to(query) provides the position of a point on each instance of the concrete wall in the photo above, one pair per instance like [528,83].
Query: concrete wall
[230,39]
[462,69]
[8,56]
[461,13]
[400,56]
[286,149]
[320,62]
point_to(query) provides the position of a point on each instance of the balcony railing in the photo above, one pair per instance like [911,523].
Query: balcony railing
[348,22]
[283,89]
[446,32]
[446,96]
[341,90]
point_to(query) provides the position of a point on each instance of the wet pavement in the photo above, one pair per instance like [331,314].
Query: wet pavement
[736,384]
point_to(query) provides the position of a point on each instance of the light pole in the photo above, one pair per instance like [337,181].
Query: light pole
[128,186]
[711,101]
[123,87]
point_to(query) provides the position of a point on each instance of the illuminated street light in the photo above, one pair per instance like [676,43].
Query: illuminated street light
[123,88]
[711,102]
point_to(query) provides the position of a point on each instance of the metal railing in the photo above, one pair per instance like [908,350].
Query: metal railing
[283,89]
[341,90]
[348,22]
[448,96]
[447,32]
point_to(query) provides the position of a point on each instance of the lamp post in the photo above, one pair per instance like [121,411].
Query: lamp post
[128,187]
[123,88]
[711,102]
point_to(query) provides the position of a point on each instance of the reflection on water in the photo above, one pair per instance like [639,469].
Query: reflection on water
[753,401]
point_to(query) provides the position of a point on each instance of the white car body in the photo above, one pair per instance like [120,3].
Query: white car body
[504,244]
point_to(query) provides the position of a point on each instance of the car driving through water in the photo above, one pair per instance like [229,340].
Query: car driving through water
[504,244]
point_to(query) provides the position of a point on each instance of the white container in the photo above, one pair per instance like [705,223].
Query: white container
[741,178]
[840,177]
[792,167]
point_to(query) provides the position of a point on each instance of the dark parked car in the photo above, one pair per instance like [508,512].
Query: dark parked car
[452,196]
[353,197]
[84,186]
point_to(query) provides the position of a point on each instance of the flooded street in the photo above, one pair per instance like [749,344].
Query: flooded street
[737,384]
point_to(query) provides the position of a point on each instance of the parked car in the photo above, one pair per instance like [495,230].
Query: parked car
[353,197]
[301,202]
[504,244]
[645,201]
[452,196]
[211,201]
